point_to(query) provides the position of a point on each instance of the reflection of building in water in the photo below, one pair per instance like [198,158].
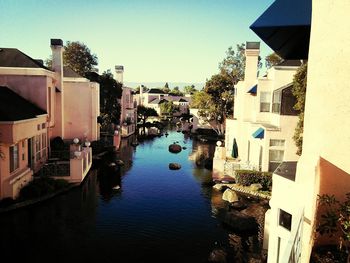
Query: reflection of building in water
[201,152]
[126,152]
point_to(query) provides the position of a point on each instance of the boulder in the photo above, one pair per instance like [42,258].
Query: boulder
[255,187]
[175,148]
[230,196]
[174,166]
[238,222]
[238,205]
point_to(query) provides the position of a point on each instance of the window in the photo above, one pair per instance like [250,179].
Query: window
[14,158]
[43,126]
[276,102]
[38,127]
[265,101]
[274,142]
[285,220]
[275,159]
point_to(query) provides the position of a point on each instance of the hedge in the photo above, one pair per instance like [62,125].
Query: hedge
[42,186]
[248,177]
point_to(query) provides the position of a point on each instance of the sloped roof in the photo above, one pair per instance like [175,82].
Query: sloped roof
[158,101]
[290,63]
[70,73]
[155,91]
[14,108]
[12,57]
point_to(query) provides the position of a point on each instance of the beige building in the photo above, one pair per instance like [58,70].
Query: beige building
[323,167]
[264,119]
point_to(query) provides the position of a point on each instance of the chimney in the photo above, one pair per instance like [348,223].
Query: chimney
[119,70]
[57,60]
[251,61]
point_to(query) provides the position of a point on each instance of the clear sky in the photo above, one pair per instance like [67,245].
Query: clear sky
[155,40]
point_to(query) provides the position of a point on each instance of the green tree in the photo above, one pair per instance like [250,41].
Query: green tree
[299,91]
[169,108]
[272,60]
[79,57]
[190,89]
[233,65]
[176,91]
[110,93]
[166,88]
[144,112]
[215,102]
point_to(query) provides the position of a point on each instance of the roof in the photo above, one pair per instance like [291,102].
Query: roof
[287,170]
[12,57]
[158,101]
[14,108]
[285,28]
[290,63]
[70,73]
[155,91]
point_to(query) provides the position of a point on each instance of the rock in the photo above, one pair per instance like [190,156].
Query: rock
[230,196]
[174,166]
[218,256]
[238,205]
[120,162]
[218,186]
[255,187]
[239,223]
[174,148]
[184,148]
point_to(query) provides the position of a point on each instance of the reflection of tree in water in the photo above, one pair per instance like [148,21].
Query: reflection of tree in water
[202,153]
[126,153]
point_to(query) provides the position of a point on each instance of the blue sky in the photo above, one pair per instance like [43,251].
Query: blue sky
[173,41]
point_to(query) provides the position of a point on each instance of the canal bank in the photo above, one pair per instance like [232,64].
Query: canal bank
[141,212]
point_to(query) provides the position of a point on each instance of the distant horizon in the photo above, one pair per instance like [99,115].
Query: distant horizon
[161,84]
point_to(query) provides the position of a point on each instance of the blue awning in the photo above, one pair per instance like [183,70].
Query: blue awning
[259,133]
[285,27]
[253,89]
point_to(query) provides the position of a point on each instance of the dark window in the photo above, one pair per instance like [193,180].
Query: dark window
[285,220]
[14,158]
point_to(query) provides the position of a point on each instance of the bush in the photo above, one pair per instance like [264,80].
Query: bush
[42,186]
[248,177]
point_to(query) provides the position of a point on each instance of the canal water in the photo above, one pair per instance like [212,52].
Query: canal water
[143,212]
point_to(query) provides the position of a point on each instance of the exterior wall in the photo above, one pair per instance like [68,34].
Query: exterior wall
[81,109]
[18,133]
[128,117]
[326,124]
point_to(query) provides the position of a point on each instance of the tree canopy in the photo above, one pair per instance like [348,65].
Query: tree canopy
[169,108]
[272,60]
[176,91]
[144,112]
[110,93]
[190,89]
[215,102]
[79,57]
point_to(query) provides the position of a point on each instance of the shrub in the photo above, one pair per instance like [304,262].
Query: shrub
[248,177]
[42,186]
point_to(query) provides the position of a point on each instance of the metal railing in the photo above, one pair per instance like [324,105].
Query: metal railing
[60,168]
[292,252]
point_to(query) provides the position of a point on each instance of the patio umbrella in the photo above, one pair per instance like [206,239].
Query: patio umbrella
[234,149]
[285,27]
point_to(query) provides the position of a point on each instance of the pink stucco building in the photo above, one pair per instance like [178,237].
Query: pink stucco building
[63,104]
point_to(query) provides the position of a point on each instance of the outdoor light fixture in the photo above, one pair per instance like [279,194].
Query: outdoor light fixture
[76,140]
[87,143]
[218,143]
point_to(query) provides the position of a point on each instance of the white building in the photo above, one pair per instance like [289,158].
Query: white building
[264,118]
[324,166]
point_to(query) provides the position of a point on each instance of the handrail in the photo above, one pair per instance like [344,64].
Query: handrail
[292,252]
